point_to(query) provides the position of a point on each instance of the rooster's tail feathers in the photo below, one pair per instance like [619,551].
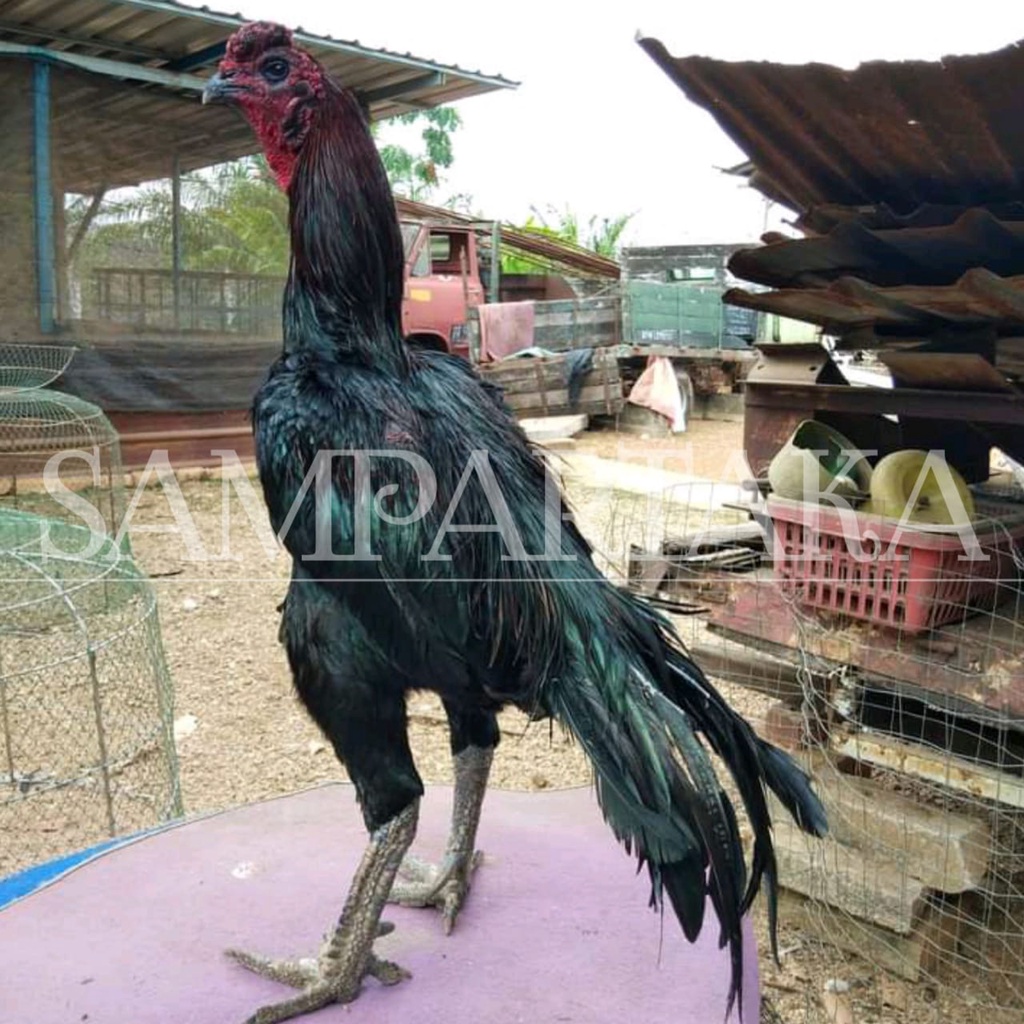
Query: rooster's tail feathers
[659,794]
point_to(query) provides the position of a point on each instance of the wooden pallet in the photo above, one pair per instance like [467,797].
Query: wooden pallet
[535,386]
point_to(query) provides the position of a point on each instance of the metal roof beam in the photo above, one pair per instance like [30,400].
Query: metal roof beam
[398,89]
[107,68]
[196,60]
[233,21]
[73,39]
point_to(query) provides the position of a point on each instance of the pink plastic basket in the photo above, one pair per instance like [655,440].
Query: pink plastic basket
[874,569]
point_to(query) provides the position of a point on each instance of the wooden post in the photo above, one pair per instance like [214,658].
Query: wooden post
[493,286]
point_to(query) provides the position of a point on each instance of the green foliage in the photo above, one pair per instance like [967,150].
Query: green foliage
[416,175]
[602,236]
[234,218]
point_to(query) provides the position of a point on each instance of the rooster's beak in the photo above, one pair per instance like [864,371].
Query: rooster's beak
[219,90]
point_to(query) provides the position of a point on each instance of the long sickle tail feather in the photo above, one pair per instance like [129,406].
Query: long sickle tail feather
[639,712]
[659,794]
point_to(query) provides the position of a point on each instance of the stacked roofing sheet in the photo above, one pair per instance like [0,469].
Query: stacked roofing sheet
[907,178]
[904,133]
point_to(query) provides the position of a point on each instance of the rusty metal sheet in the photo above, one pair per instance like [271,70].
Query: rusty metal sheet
[993,408]
[553,250]
[821,219]
[947,371]
[979,297]
[978,662]
[893,256]
[905,133]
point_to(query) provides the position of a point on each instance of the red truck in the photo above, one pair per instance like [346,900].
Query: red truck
[447,274]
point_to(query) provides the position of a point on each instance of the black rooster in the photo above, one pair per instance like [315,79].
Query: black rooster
[432,549]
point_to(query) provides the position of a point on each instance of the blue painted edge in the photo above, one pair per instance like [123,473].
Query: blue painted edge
[46,267]
[24,883]
[15,886]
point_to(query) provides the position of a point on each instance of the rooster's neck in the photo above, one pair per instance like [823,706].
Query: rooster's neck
[344,293]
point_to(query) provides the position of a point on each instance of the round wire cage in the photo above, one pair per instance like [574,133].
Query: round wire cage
[60,459]
[86,726]
[32,366]
[86,716]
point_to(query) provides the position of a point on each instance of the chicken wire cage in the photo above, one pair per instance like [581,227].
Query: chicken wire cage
[911,723]
[86,742]
[59,455]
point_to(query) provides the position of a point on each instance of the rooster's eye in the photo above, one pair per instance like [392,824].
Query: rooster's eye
[275,70]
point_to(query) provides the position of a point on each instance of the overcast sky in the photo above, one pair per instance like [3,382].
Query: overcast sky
[595,124]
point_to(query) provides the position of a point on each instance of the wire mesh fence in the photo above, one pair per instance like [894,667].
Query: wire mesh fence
[900,685]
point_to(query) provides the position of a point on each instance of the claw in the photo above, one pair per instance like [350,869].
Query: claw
[294,973]
[316,990]
[386,971]
[310,999]
[445,887]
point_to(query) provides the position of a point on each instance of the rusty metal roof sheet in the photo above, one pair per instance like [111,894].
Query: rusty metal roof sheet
[881,217]
[904,133]
[978,298]
[543,247]
[892,256]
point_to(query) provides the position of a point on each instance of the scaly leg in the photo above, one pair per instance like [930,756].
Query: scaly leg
[446,886]
[347,956]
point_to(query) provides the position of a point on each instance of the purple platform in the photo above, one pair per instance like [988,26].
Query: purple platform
[556,928]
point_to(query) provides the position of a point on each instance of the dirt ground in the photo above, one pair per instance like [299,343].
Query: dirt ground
[244,737]
[710,449]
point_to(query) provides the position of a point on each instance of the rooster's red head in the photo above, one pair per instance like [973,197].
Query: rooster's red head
[276,85]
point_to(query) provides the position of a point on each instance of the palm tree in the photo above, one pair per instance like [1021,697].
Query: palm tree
[233,218]
[601,237]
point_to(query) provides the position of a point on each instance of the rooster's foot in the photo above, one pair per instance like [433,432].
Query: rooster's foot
[321,981]
[445,886]
[347,955]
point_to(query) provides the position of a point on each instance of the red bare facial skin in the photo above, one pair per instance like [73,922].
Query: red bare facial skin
[277,86]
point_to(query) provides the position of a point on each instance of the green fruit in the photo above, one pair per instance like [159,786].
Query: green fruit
[941,495]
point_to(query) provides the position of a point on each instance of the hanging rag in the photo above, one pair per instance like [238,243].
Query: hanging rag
[578,363]
[505,328]
[657,388]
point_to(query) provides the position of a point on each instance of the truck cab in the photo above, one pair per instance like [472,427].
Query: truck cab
[442,282]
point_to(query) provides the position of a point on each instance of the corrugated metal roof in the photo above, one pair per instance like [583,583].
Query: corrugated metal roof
[551,250]
[921,256]
[168,34]
[880,217]
[180,45]
[903,133]
[978,298]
